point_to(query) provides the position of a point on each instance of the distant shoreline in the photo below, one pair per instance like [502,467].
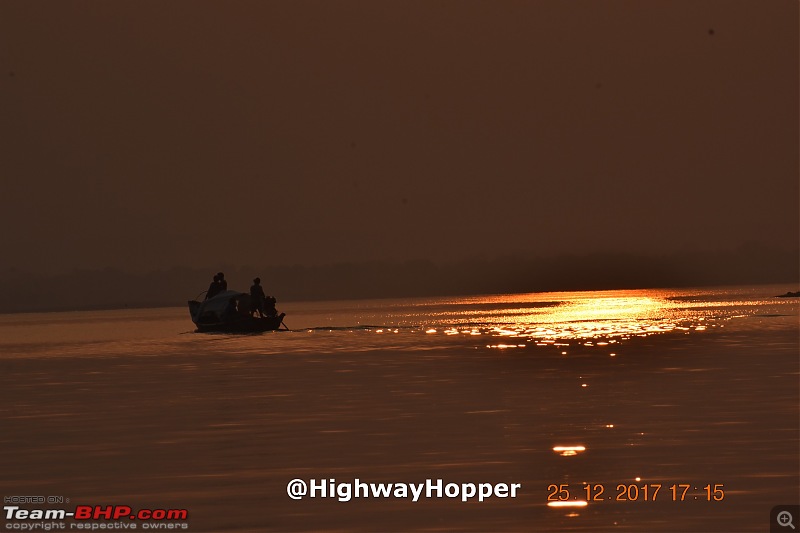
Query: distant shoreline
[112,288]
[167,305]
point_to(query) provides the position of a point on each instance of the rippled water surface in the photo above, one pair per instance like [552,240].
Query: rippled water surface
[583,391]
[506,321]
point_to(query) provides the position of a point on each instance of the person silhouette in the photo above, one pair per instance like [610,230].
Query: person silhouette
[231,311]
[257,298]
[215,288]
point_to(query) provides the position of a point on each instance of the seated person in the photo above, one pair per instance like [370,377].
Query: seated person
[231,311]
[269,306]
[214,289]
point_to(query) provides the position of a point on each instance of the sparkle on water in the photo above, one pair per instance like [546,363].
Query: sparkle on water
[600,318]
[568,451]
[577,503]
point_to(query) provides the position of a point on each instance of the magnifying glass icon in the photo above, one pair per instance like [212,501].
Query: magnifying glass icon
[785,519]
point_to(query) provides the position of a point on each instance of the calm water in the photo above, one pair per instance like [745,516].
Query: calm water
[599,318]
[697,386]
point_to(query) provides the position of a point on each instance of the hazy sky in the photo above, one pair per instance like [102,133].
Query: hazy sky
[153,134]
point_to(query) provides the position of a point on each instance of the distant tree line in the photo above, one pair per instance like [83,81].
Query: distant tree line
[113,288]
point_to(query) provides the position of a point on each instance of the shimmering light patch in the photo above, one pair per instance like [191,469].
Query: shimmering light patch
[591,319]
[568,451]
[597,316]
[579,503]
[505,346]
[504,332]
[431,331]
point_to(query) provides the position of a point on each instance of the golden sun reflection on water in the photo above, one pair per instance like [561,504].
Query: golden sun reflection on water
[579,503]
[568,451]
[597,319]
[594,318]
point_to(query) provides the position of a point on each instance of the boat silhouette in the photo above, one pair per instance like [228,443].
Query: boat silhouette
[229,312]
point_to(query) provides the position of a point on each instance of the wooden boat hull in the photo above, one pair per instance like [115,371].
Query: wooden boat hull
[244,325]
[214,315]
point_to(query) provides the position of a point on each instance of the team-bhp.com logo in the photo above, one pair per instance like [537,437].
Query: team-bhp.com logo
[116,512]
[87,516]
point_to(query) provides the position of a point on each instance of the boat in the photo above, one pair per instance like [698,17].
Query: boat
[229,312]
